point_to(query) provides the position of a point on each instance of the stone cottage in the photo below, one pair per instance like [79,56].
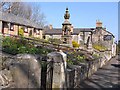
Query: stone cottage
[104,37]
[11,24]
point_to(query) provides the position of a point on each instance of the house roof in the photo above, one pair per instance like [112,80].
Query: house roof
[58,31]
[54,31]
[8,17]
[108,32]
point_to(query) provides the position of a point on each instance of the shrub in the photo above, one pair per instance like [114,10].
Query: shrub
[21,32]
[99,47]
[56,41]
[81,58]
[74,58]
[95,56]
[70,62]
[6,41]
[11,49]
[75,44]
[15,46]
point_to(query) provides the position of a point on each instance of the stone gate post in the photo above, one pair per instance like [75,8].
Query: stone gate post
[59,68]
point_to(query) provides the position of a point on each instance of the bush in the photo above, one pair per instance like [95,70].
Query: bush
[95,56]
[75,58]
[99,47]
[15,46]
[21,32]
[9,45]
[75,44]
[6,41]
[55,41]
[70,62]
[11,49]
[81,58]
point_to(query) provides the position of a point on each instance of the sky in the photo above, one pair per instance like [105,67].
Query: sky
[82,14]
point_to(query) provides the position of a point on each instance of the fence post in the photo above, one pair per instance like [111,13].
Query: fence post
[59,68]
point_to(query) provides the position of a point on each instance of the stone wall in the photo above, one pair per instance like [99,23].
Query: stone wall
[78,73]
[26,71]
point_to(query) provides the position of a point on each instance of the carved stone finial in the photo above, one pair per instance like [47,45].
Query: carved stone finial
[67,15]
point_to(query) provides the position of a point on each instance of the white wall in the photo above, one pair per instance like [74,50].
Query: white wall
[53,36]
[57,36]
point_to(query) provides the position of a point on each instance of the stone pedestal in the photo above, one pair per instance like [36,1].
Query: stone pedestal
[59,59]
[68,40]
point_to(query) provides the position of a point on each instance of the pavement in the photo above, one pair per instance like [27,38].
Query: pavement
[106,77]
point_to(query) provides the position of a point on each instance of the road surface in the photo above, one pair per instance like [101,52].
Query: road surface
[106,77]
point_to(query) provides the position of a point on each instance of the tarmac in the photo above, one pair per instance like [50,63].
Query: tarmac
[106,77]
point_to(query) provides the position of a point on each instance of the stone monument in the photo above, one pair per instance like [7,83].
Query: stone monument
[66,29]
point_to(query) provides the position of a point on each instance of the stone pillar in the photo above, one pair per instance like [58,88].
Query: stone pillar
[59,67]
[89,44]
[62,32]
[26,71]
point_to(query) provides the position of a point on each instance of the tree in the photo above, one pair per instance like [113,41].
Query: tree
[25,10]
[37,15]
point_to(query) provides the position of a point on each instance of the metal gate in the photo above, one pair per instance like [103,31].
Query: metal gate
[46,74]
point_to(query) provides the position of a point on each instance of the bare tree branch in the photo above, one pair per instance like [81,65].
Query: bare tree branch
[38,16]
[25,10]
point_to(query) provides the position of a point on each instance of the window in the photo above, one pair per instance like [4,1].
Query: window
[5,25]
[34,30]
[30,33]
[25,29]
[44,37]
[37,31]
[12,27]
[107,37]
[65,41]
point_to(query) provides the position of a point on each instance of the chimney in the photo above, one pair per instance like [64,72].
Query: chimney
[98,24]
[50,26]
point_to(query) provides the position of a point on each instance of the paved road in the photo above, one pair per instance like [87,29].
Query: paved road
[106,77]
